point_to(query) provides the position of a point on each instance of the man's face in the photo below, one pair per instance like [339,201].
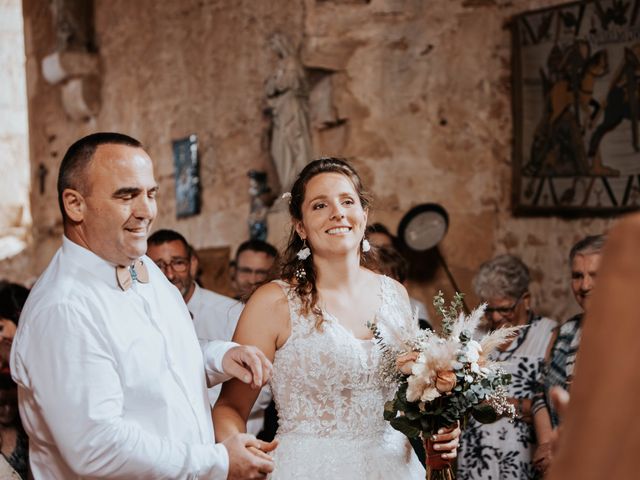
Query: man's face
[116,211]
[179,267]
[252,268]
[584,268]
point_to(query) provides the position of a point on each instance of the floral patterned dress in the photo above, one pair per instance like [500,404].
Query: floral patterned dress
[330,399]
[504,450]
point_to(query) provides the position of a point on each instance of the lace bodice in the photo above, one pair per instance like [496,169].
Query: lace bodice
[326,382]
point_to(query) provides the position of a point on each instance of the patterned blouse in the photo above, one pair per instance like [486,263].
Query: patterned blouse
[504,450]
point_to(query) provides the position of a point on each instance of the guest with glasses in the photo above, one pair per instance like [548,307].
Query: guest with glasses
[504,450]
[253,266]
[214,316]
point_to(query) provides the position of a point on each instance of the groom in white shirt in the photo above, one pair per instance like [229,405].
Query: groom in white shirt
[110,375]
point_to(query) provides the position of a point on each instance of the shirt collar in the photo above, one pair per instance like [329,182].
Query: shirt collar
[89,261]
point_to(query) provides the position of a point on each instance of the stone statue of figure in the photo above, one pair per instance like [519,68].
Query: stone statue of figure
[288,99]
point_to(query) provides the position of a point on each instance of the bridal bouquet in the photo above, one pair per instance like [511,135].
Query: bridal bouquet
[442,379]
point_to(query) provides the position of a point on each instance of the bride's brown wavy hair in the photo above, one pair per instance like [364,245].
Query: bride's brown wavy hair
[307,290]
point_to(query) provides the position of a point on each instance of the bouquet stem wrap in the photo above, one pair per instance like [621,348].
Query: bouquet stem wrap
[437,467]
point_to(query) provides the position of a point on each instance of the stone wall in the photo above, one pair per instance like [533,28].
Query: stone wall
[15,219]
[416,92]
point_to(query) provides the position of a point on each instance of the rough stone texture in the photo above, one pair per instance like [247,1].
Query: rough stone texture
[416,92]
[14,181]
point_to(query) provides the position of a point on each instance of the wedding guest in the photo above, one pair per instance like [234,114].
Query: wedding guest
[327,382]
[110,375]
[391,258]
[13,439]
[584,260]
[600,431]
[253,265]
[394,265]
[12,299]
[380,236]
[504,450]
[214,316]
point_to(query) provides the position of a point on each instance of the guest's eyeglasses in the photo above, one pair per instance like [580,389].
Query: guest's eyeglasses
[178,265]
[503,311]
[250,271]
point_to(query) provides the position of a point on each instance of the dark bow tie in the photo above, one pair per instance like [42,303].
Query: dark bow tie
[126,275]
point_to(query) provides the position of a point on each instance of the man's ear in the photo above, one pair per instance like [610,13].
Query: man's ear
[194,263]
[74,204]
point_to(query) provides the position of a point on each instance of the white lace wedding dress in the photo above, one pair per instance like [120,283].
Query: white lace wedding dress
[330,401]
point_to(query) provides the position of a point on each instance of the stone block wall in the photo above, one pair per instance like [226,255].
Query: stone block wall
[416,92]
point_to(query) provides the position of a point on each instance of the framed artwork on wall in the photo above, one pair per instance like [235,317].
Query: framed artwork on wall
[576,108]
[187,177]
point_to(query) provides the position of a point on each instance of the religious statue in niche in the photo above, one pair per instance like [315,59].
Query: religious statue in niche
[187,178]
[261,200]
[288,101]
[577,108]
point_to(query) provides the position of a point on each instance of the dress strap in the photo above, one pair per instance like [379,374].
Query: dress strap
[297,320]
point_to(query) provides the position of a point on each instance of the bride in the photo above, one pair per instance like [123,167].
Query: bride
[313,325]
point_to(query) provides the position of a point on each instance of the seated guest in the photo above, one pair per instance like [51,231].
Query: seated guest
[253,266]
[214,316]
[584,259]
[13,439]
[392,264]
[504,449]
[379,236]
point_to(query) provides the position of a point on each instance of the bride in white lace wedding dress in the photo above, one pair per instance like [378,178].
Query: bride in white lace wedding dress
[313,325]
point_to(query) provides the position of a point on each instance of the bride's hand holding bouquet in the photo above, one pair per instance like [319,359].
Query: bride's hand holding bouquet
[442,379]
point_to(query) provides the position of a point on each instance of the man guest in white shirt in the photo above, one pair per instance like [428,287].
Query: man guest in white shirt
[214,316]
[110,375]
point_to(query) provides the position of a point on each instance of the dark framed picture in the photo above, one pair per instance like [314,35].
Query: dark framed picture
[576,107]
[187,178]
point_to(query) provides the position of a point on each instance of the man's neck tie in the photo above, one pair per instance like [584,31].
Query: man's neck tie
[126,275]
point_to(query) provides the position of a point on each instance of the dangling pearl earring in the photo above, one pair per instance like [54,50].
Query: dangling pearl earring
[304,252]
[366,246]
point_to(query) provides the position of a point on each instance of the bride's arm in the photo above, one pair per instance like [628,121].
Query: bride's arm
[264,323]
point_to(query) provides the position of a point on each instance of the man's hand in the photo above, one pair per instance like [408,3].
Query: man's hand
[248,364]
[248,457]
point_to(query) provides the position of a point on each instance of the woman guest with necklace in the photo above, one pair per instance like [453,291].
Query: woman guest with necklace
[504,450]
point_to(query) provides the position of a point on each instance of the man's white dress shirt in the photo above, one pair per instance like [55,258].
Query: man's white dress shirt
[215,317]
[112,383]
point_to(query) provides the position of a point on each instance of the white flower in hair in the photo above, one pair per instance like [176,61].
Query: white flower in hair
[286,196]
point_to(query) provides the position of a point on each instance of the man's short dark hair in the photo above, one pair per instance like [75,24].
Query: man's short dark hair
[166,235]
[78,157]
[257,246]
[588,245]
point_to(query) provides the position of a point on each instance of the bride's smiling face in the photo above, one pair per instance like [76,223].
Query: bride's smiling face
[333,219]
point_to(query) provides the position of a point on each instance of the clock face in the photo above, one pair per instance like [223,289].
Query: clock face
[425,230]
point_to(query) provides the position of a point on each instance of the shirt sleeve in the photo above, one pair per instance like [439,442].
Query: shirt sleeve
[213,352]
[69,381]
